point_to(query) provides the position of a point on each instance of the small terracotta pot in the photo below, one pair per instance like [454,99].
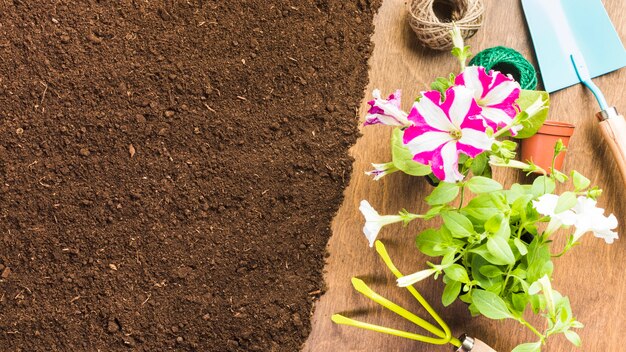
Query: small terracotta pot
[540,148]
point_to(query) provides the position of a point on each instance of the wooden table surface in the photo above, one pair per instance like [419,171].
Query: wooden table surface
[591,274]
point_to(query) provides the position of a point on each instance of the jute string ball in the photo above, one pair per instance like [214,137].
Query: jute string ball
[434,32]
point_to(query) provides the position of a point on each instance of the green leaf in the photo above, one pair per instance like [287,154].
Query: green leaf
[534,106]
[519,301]
[462,54]
[457,273]
[444,193]
[441,84]
[490,271]
[477,262]
[559,147]
[580,181]
[448,258]
[434,211]
[458,224]
[494,223]
[543,185]
[450,292]
[559,176]
[573,338]
[483,252]
[517,191]
[521,246]
[480,184]
[402,157]
[481,207]
[528,347]
[566,201]
[433,243]
[504,232]
[480,164]
[467,298]
[490,305]
[499,248]
[520,272]
[538,260]
[537,303]
[520,206]
[577,325]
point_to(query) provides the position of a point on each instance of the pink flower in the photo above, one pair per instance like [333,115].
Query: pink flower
[441,131]
[386,112]
[494,92]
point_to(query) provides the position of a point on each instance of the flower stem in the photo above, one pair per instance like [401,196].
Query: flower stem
[506,280]
[568,246]
[532,328]
[503,131]
[462,196]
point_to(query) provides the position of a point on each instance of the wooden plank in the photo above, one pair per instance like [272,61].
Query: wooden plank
[590,274]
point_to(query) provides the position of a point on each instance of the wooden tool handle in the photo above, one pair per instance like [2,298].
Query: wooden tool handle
[470,344]
[614,132]
[480,346]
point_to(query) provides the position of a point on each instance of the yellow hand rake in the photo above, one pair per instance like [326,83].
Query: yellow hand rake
[442,333]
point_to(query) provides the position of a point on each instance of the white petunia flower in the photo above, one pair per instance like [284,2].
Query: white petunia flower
[457,37]
[546,205]
[386,111]
[374,221]
[585,217]
[591,218]
[409,280]
[382,170]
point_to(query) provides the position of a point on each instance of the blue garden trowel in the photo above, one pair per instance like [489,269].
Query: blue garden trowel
[575,41]
[561,27]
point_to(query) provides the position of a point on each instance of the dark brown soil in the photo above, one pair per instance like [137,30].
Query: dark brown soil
[169,169]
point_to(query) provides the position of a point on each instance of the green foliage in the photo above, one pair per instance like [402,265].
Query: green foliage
[480,184]
[567,201]
[442,84]
[499,248]
[444,193]
[528,347]
[480,165]
[493,254]
[534,111]
[580,181]
[451,292]
[490,305]
[458,224]
[462,53]
[403,159]
[482,207]
[457,273]
[435,243]
[543,185]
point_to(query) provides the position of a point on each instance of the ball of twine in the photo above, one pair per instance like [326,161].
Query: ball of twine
[434,32]
[507,61]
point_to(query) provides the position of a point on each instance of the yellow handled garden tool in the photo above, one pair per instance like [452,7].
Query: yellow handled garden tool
[442,333]
[574,41]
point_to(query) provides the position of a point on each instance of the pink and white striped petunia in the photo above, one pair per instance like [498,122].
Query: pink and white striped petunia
[386,111]
[441,131]
[494,92]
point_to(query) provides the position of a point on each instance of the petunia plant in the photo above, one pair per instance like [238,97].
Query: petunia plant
[495,248]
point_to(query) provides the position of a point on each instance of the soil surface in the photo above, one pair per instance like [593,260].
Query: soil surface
[169,169]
